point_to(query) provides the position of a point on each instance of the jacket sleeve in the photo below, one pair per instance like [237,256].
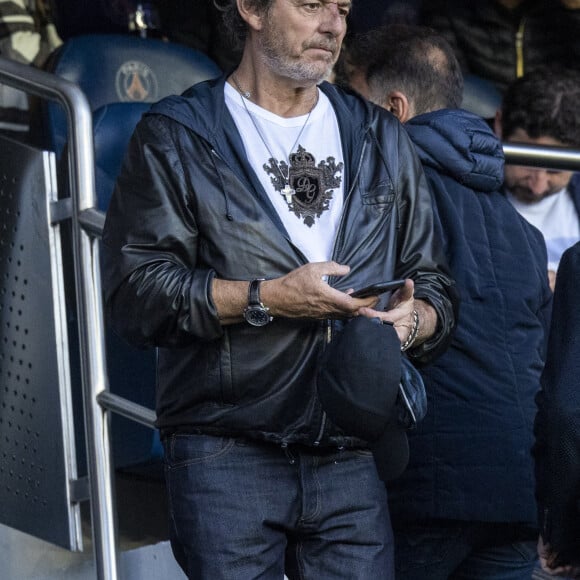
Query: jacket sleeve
[557,424]
[421,252]
[156,292]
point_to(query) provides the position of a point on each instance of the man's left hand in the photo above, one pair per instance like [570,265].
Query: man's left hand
[547,559]
[399,313]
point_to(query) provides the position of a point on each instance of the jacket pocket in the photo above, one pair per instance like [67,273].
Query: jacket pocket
[381,196]
[229,394]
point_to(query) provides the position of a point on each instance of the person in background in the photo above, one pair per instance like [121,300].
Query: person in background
[557,429]
[465,506]
[201,29]
[374,13]
[541,108]
[28,36]
[75,18]
[367,16]
[246,210]
[501,40]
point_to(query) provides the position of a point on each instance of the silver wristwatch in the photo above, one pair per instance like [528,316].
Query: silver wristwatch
[255,312]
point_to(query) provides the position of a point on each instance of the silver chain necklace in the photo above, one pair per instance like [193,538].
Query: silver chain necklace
[288,191]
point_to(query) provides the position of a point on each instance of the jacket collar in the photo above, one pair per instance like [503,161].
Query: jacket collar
[203,110]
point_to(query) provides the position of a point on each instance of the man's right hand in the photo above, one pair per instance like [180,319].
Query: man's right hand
[304,293]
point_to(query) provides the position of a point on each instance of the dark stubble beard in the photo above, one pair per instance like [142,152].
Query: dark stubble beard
[525,195]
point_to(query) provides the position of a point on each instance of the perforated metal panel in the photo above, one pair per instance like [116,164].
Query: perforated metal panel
[36,435]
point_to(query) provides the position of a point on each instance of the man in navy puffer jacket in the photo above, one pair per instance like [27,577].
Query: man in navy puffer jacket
[465,506]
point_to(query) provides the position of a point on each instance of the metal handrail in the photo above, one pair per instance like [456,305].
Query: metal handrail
[561,158]
[127,409]
[89,303]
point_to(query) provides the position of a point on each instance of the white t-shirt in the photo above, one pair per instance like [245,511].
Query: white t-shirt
[308,156]
[556,217]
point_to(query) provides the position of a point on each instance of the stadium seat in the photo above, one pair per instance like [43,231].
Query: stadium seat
[480,96]
[113,125]
[112,68]
[121,75]
[131,371]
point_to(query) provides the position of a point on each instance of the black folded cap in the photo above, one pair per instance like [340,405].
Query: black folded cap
[358,384]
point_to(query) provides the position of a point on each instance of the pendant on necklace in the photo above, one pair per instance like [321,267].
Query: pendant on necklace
[288,193]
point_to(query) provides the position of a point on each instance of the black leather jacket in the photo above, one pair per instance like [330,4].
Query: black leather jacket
[188,207]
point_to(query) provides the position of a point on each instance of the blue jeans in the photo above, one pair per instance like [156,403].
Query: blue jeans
[456,550]
[242,510]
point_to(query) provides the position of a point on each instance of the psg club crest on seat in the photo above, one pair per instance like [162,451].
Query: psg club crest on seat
[136,82]
[306,187]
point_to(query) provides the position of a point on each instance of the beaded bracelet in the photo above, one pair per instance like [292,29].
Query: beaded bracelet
[413,334]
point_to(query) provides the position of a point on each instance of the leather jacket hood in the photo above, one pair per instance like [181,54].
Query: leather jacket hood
[173,225]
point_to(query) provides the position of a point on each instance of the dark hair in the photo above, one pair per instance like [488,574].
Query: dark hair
[415,60]
[236,27]
[544,103]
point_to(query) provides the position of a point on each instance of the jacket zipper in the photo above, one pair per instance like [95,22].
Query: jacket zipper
[520,48]
[322,427]
[334,248]
[340,230]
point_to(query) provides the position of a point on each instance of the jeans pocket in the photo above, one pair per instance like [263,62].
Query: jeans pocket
[527,550]
[183,449]
[363,452]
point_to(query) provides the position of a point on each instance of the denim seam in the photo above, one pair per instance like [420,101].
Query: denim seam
[204,459]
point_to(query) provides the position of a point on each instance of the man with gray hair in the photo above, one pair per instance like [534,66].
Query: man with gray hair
[246,211]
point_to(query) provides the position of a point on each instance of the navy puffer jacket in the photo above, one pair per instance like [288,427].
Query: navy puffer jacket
[471,455]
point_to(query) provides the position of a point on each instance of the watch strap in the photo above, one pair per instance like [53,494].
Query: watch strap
[254,292]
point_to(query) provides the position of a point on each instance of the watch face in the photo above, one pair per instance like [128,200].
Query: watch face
[257,316]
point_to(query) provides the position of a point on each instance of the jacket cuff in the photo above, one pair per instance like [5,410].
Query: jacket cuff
[203,310]
[446,307]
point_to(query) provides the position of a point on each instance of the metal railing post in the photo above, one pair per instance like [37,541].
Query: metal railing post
[89,301]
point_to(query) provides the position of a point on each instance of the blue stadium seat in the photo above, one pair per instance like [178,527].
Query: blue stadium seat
[131,371]
[121,75]
[112,68]
[113,125]
[480,96]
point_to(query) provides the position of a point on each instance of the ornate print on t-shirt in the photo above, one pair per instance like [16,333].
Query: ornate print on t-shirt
[307,187]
